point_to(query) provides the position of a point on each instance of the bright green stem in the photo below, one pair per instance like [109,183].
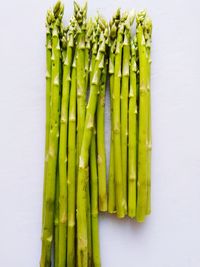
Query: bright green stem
[96,261]
[48,225]
[132,137]
[143,123]
[83,164]
[111,178]
[120,200]
[101,153]
[48,106]
[72,169]
[124,107]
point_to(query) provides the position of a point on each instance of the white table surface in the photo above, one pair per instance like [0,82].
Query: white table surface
[170,237]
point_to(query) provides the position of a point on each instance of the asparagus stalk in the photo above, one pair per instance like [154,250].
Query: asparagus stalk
[101,162]
[48,96]
[143,122]
[132,135]
[96,261]
[124,99]
[88,38]
[147,34]
[120,199]
[84,155]
[47,232]
[111,179]
[80,16]
[72,169]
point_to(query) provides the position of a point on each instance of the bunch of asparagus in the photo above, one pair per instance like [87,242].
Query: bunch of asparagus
[80,58]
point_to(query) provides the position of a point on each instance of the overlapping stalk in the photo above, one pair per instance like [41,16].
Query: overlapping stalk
[84,155]
[50,184]
[124,99]
[120,198]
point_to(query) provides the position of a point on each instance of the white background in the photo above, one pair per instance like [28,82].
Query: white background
[170,237]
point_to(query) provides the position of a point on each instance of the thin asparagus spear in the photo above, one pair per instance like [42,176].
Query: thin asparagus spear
[84,156]
[120,199]
[88,37]
[124,99]
[96,261]
[72,169]
[47,234]
[143,122]
[147,34]
[101,153]
[111,179]
[80,16]
[132,135]
[48,96]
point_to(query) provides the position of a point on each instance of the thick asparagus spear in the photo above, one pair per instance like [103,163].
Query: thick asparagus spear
[101,153]
[147,35]
[143,122]
[84,155]
[120,199]
[124,99]
[132,135]
[49,18]
[96,261]
[72,169]
[47,232]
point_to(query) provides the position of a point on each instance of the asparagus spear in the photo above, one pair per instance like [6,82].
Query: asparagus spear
[120,199]
[101,162]
[143,122]
[147,35]
[72,169]
[96,261]
[84,155]
[80,16]
[47,232]
[132,135]
[88,38]
[124,99]
[111,180]
[49,18]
